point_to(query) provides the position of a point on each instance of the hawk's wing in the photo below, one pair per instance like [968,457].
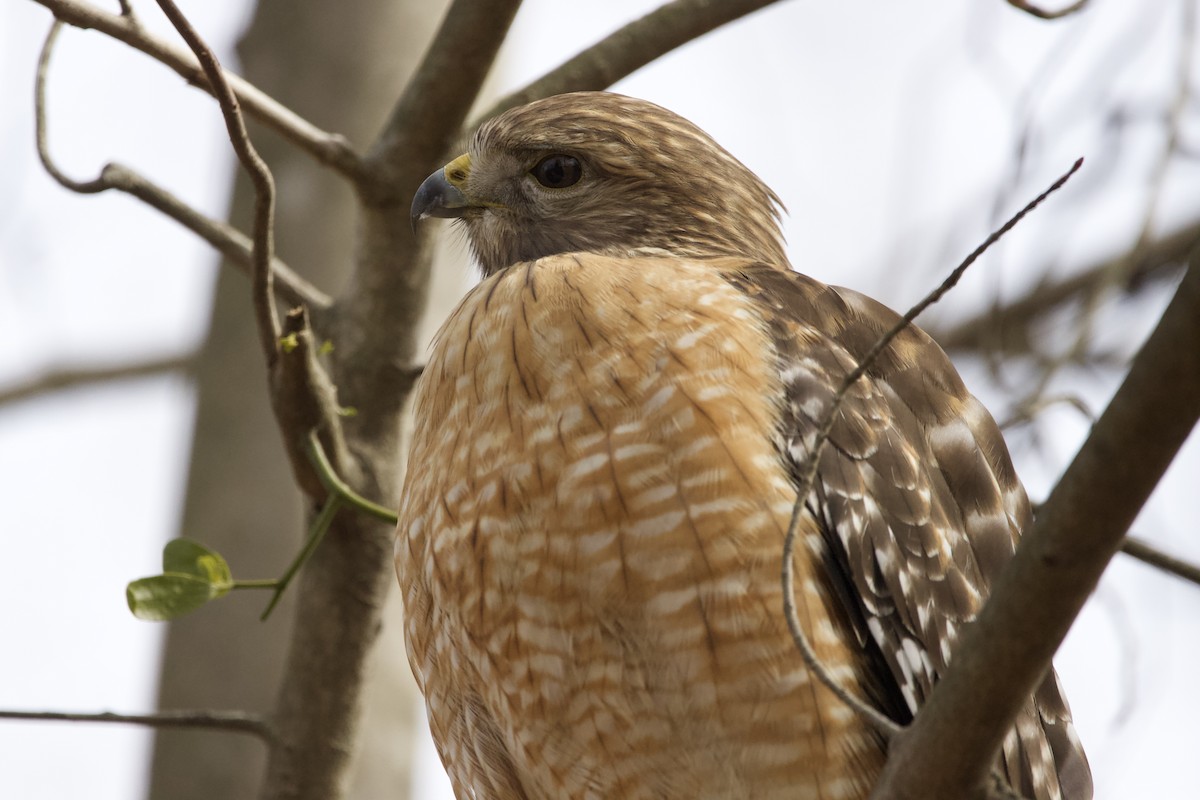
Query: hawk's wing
[917,500]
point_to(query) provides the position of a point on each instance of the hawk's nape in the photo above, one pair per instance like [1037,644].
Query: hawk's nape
[605,460]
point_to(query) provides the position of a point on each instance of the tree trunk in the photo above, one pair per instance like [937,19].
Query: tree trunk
[342,66]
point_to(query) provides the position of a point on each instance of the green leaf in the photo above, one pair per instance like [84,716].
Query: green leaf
[192,576]
[171,595]
[189,557]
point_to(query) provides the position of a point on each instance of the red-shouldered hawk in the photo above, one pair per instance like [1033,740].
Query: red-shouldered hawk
[608,437]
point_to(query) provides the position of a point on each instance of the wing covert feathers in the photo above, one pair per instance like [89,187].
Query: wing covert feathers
[918,503]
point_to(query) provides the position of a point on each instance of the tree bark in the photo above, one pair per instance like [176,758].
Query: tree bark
[341,66]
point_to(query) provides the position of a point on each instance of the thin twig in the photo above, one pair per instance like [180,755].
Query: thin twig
[228,240]
[265,313]
[339,487]
[1031,9]
[39,105]
[629,48]
[886,726]
[316,532]
[330,149]
[808,470]
[1149,554]
[233,721]
[340,494]
[57,380]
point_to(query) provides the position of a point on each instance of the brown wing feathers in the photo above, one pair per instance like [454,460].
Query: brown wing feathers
[918,502]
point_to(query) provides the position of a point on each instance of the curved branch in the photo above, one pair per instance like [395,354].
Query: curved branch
[330,149]
[56,380]
[953,741]
[226,239]
[232,721]
[339,488]
[630,48]
[263,249]
[1040,13]
[94,186]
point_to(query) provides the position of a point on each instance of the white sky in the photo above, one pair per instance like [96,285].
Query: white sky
[885,127]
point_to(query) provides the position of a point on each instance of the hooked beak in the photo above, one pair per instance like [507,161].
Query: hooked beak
[442,193]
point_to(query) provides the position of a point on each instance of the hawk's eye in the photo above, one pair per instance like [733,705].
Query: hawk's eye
[557,172]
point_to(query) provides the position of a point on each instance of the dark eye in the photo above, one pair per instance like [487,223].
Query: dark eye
[557,172]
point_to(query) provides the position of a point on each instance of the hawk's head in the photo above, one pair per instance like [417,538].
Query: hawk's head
[602,173]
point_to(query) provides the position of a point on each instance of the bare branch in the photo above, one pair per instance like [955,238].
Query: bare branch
[56,380]
[39,104]
[263,249]
[1009,329]
[233,721]
[1030,8]
[1149,554]
[952,744]
[229,241]
[808,470]
[330,149]
[630,48]
[439,95]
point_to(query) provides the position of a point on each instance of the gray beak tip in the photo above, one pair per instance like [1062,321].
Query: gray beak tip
[436,197]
